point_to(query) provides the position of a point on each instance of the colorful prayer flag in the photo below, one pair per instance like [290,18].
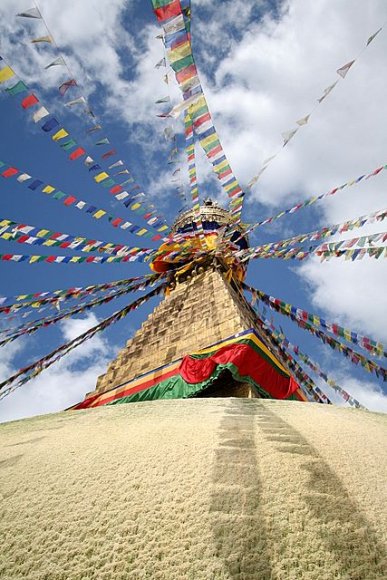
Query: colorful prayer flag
[31,13]
[342,71]
[65,86]
[57,62]
[6,73]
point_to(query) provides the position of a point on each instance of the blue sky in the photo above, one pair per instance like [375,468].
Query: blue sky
[263,65]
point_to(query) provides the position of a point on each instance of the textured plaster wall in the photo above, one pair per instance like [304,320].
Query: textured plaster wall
[196,489]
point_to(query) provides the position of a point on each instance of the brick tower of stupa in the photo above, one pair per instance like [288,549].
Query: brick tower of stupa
[204,312]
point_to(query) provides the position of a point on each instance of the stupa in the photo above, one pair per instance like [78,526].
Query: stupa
[204,338]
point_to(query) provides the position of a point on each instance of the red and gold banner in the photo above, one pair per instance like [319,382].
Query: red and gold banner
[245,356]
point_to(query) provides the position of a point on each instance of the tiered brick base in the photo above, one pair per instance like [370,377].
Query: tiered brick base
[196,314]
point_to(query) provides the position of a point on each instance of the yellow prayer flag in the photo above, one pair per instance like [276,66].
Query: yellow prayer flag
[33,259]
[98,214]
[208,140]
[142,232]
[75,258]
[231,186]
[48,189]
[49,243]
[7,235]
[59,135]
[223,165]
[6,73]
[101,176]
[198,104]
[136,205]
[181,52]
[162,228]
[42,233]
[5,223]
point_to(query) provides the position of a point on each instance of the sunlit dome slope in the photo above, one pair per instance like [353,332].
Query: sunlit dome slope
[201,489]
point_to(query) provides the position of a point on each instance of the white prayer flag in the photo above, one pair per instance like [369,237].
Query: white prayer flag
[40,114]
[342,71]
[327,91]
[288,135]
[371,38]
[57,62]
[78,101]
[303,121]
[31,13]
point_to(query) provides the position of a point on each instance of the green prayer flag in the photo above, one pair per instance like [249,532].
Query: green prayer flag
[20,87]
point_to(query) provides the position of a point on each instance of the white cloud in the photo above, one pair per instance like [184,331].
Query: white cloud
[63,384]
[257,87]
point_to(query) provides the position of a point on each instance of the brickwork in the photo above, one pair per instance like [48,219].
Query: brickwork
[197,313]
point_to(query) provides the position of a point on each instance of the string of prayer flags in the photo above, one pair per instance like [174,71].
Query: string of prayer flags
[355,357]
[350,243]
[288,135]
[314,199]
[140,206]
[354,254]
[304,317]
[303,379]
[285,343]
[316,235]
[27,373]
[175,20]
[92,210]
[32,235]
[35,259]
[37,299]
[299,253]
[190,152]
[81,307]
[134,201]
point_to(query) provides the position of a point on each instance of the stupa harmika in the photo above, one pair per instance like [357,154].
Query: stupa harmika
[203,339]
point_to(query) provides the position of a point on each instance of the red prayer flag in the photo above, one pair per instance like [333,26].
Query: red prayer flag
[165,12]
[65,86]
[116,189]
[116,222]
[224,174]
[77,153]
[186,73]
[69,200]
[108,154]
[202,119]
[29,101]
[214,151]
[10,172]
